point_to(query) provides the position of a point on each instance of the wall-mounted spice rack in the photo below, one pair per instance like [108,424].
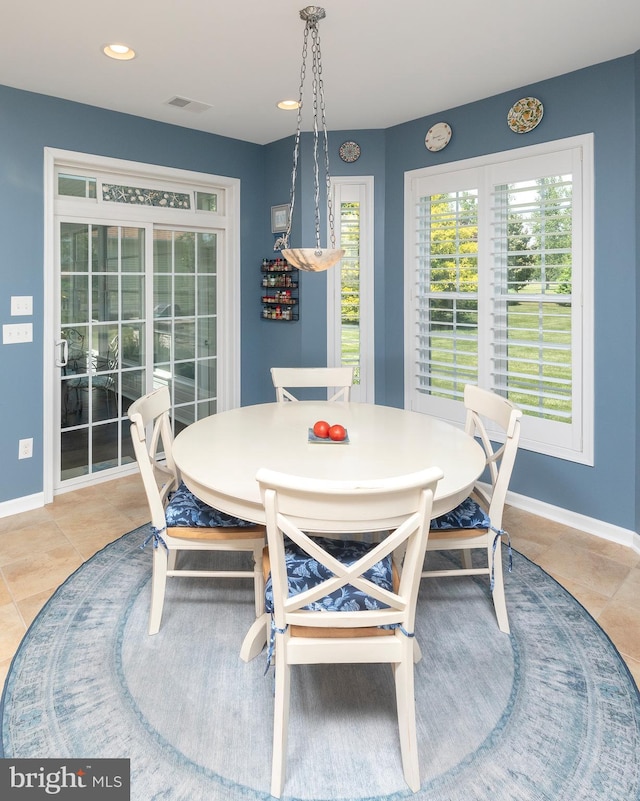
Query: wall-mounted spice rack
[280,290]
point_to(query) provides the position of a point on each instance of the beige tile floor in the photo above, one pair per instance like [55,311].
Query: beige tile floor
[39,549]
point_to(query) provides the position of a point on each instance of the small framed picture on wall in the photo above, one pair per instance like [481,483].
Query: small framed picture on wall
[279,218]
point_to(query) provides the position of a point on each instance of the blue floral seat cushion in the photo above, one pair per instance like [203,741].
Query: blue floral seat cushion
[185,510]
[304,572]
[468,514]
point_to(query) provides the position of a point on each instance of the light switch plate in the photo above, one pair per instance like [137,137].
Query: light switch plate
[25,448]
[21,305]
[17,332]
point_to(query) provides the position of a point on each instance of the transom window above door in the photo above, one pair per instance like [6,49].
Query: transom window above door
[99,187]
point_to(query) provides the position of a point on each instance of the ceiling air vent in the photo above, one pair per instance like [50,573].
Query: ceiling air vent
[188,105]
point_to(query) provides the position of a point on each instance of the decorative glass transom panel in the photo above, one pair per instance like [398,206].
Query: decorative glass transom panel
[117,193]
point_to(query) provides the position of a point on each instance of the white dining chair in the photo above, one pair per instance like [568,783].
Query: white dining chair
[179,520]
[338,379]
[343,600]
[476,523]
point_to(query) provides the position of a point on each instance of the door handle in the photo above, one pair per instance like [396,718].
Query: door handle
[63,358]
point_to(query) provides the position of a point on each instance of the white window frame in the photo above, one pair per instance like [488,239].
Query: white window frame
[574,441]
[347,189]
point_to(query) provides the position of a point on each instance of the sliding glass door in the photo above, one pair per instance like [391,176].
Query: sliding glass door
[140,260]
[137,310]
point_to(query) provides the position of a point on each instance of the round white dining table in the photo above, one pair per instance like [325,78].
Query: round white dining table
[220,455]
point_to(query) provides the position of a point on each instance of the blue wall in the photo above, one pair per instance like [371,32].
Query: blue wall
[28,123]
[305,341]
[636,361]
[602,99]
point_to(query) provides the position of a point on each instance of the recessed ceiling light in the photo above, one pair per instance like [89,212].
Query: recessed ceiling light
[120,52]
[289,105]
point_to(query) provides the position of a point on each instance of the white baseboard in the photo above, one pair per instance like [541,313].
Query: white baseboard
[607,531]
[25,504]
[30,502]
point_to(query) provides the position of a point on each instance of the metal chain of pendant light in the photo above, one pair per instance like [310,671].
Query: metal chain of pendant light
[318,258]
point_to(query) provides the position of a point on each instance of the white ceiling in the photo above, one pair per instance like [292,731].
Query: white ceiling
[383,62]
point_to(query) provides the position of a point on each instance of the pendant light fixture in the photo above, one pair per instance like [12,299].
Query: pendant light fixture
[313,259]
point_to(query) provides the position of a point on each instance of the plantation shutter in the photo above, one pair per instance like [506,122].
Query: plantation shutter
[445,290]
[537,270]
[532,295]
[499,267]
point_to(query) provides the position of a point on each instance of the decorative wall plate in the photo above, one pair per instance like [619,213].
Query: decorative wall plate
[524,115]
[349,151]
[438,136]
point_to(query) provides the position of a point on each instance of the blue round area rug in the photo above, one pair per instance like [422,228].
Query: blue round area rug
[548,713]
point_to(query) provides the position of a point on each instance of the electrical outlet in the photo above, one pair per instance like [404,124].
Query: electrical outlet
[21,305]
[17,332]
[25,448]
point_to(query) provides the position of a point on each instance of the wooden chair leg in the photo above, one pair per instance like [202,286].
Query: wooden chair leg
[258,580]
[280,719]
[499,602]
[255,639]
[158,587]
[417,653]
[405,700]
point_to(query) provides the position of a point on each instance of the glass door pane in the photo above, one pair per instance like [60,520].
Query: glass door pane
[185,321]
[350,299]
[102,320]
[349,220]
